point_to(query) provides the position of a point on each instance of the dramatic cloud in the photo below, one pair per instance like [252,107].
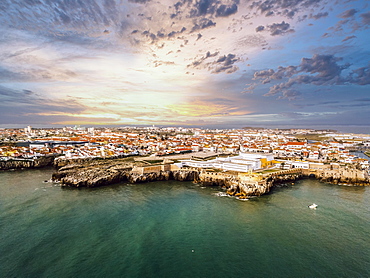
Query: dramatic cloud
[290,94]
[361,76]
[202,23]
[276,29]
[318,70]
[213,7]
[197,62]
[280,73]
[26,104]
[282,7]
[179,62]
[224,10]
[225,64]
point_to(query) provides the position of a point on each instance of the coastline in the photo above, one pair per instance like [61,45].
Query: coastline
[240,185]
[95,172]
[27,163]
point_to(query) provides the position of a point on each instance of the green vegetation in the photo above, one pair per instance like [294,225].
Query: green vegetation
[154,161]
[312,136]
[269,171]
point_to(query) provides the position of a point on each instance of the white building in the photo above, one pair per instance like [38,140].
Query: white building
[300,164]
[244,162]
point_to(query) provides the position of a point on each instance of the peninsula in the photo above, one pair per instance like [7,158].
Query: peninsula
[246,162]
[239,184]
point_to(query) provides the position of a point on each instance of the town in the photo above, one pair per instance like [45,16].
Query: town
[242,150]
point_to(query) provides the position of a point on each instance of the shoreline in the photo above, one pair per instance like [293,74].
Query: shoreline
[95,172]
[238,185]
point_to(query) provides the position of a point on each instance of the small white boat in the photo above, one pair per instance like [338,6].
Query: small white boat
[313,206]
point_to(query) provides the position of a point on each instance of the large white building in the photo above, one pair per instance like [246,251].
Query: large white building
[244,162]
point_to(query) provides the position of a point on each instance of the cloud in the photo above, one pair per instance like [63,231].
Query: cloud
[279,28]
[260,28]
[363,99]
[225,64]
[26,106]
[348,38]
[270,74]
[319,15]
[213,8]
[365,18]
[202,23]
[350,22]
[348,13]
[325,66]
[290,94]
[361,76]
[135,50]
[276,29]
[139,1]
[199,61]
[282,7]
[225,10]
[210,106]
[318,70]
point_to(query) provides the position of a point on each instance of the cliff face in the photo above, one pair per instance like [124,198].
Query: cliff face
[343,175]
[77,175]
[88,161]
[109,172]
[58,163]
[243,188]
[27,163]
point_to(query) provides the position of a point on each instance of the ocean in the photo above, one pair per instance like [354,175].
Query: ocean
[179,229]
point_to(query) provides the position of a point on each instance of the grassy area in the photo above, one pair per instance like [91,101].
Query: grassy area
[269,171]
[312,136]
[154,161]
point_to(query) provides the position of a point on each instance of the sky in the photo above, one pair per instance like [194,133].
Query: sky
[199,63]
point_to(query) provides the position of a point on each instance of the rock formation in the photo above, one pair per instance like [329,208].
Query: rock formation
[343,176]
[108,172]
[27,163]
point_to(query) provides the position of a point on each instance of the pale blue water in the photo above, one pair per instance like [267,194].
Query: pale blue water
[174,229]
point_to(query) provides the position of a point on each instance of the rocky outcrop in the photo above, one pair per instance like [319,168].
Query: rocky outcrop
[89,177]
[86,161]
[27,163]
[62,162]
[133,177]
[77,175]
[349,176]
[106,173]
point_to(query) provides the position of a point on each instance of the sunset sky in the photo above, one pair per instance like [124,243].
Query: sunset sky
[227,63]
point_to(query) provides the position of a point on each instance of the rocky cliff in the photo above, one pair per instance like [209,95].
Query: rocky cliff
[342,176]
[109,172]
[27,163]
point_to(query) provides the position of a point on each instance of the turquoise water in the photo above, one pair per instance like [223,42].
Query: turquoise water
[178,229]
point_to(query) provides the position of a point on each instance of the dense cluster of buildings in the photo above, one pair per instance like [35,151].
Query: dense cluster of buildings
[243,150]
